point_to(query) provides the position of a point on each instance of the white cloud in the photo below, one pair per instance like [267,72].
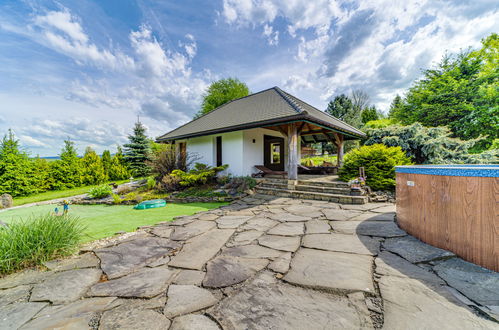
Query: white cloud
[272,36]
[28,141]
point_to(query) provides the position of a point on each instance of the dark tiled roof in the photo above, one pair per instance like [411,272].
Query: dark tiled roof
[269,107]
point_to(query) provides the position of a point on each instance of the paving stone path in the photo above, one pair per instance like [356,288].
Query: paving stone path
[259,263]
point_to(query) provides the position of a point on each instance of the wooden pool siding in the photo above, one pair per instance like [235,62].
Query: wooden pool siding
[456,213]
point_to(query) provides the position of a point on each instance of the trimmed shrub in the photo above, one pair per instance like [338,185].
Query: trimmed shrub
[100,191]
[200,174]
[26,243]
[379,162]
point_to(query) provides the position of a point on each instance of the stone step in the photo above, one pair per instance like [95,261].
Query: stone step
[310,188]
[335,198]
[335,184]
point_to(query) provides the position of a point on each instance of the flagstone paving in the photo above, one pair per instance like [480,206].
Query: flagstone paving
[259,263]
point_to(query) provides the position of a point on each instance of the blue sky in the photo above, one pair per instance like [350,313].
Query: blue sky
[86,69]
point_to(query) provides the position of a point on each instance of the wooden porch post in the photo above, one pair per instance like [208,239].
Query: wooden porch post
[292,152]
[339,145]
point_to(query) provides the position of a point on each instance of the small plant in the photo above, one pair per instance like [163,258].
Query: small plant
[100,191]
[200,174]
[150,183]
[29,242]
[116,199]
[379,162]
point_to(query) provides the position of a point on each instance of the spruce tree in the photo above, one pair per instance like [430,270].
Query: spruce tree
[15,167]
[106,161]
[136,153]
[92,169]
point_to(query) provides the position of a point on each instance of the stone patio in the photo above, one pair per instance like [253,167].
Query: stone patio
[259,263]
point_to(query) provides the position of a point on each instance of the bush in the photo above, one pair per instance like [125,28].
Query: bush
[151,183]
[379,163]
[116,199]
[429,145]
[200,174]
[30,242]
[100,191]
[318,160]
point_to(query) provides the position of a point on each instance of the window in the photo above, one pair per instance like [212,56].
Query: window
[219,151]
[275,149]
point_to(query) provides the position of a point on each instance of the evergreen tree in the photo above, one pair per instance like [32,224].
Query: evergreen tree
[42,180]
[342,107]
[15,168]
[136,153]
[92,168]
[66,171]
[396,107]
[106,161]
[369,113]
[118,169]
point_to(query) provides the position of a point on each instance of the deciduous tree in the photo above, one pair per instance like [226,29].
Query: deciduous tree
[221,92]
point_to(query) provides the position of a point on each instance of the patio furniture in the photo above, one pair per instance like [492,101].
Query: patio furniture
[267,171]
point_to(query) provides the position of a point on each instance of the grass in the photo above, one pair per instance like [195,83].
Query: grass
[31,241]
[54,194]
[104,221]
[318,160]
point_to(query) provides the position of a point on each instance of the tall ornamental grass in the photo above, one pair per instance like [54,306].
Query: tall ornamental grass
[29,242]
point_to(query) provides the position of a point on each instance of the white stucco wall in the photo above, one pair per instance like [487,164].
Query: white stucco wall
[238,149]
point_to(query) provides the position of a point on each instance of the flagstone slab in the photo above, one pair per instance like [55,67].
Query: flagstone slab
[145,283]
[13,316]
[281,264]
[244,238]
[289,217]
[259,224]
[282,243]
[185,299]
[414,250]
[87,260]
[305,210]
[224,271]
[134,254]
[372,216]
[411,304]
[317,227]
[368,228]
[162,231]
[194,322]
[287,229]
[228,221]
[207,216]
[331,271]
[340,214]
[251,251]
[23,278]
[189,277]
[65,287]
[477,283]
[130,318]
[387,208]
[17,294]
[183,220]
[342,243]
[76,315]
[268,304]
[197,251]
[193,229]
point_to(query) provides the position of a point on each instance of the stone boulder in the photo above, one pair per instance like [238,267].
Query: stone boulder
[6,201]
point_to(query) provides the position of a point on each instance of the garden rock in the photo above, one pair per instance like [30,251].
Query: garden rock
[197,251]
[185,299]
[287,229]
[414,250]
[193,322]
[6,201]
[225,271]
[129,256]
[65,286]
[145,283]
[282,243]
[331,271]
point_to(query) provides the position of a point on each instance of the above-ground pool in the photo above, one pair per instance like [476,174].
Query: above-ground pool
[453,207]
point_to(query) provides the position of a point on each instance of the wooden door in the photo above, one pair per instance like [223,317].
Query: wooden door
[273,153]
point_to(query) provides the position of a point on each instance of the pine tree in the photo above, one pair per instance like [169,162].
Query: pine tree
[396,107]
[42,180]
[136,153]
[15,167]
[118,169]
[369,113]
[66,171]
[92,169]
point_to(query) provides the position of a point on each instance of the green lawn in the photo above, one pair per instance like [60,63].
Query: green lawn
[48,195]
[104,221]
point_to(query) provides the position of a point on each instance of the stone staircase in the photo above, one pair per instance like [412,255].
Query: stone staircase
[337,192]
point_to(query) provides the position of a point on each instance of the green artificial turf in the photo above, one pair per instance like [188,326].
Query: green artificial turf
[104,221]
[54,194]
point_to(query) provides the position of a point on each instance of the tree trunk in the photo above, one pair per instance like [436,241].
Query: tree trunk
[292,152]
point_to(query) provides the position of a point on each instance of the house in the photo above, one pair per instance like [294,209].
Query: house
[264,128]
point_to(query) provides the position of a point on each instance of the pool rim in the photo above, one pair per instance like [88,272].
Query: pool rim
[466,170]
